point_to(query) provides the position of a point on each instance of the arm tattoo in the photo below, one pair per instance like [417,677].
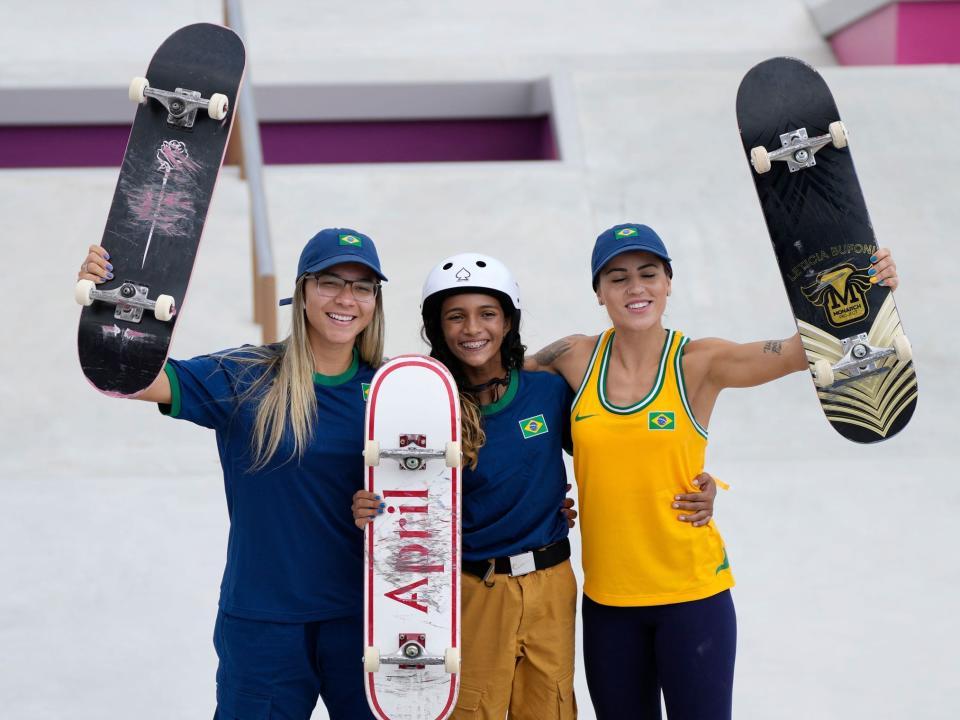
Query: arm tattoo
[773,346]
[550,353]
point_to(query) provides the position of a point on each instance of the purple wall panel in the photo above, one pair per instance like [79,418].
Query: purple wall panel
[929,32]
[871,40]
[62,146]
[902,33]
[414,141]
[300,143]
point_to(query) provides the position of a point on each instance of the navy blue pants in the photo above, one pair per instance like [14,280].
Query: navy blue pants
[684,650]
[277,671]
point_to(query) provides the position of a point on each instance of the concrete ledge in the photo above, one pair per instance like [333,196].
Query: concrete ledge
[291,103]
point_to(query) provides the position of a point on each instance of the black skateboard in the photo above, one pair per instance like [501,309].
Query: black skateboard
[859,357]
[186,106]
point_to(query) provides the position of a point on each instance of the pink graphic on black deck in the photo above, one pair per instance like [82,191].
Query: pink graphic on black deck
[170,209]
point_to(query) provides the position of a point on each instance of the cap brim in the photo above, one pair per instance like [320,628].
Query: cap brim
[339,260]
[630,248]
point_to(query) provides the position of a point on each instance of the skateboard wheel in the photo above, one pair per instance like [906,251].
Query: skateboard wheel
[838,134]
[451,660]
[81,292]
[371,659]
[760,159]
[903,347]
[823,373]
[453,453]
[163,310]
[137,86]
[371,453]
[217,108]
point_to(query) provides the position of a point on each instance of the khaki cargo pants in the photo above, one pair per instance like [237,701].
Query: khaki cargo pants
[518,646]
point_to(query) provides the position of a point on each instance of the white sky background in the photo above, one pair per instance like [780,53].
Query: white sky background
[113,520]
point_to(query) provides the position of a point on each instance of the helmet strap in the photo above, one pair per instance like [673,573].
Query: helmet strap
[473,389]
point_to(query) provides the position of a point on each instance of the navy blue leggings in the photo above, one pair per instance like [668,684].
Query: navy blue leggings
[686,650]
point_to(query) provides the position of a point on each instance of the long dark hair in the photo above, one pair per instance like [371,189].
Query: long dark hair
[511,357]
[512,349]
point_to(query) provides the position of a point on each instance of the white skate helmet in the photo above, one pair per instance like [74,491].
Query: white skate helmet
[470,271]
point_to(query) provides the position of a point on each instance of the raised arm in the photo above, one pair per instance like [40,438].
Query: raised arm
[96,267]
[741,365]
[728,364]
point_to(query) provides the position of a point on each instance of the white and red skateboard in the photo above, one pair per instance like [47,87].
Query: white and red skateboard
[412,551]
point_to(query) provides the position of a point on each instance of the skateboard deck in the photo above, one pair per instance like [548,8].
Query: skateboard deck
[412,551]
[174,153]
[823,239]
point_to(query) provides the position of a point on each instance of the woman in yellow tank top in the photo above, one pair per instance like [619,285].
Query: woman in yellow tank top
[657,612]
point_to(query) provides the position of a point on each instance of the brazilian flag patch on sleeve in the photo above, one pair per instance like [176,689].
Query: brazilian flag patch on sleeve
[657,420]
[366,391]
[533,426]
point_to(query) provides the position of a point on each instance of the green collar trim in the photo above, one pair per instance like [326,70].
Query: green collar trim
[507,398]
[331,380]
[654,391]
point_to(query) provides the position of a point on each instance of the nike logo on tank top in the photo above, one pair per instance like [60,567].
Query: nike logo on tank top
[630,462]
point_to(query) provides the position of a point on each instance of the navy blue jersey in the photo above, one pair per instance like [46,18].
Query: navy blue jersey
[511,502]
[294,554]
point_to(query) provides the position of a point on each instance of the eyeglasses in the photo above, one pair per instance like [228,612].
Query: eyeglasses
[330,285]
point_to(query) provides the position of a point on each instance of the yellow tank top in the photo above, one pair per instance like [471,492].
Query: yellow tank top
[629,463]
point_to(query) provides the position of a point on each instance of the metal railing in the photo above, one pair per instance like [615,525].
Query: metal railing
[251,169]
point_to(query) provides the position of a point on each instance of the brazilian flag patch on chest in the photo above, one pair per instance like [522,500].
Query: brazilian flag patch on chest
[657,420]
[533,426]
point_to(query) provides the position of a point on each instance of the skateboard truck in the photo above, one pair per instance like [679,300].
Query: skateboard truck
[859,360]
[411,458]
[412,648]
[130,298]
[182,104]
[797,149]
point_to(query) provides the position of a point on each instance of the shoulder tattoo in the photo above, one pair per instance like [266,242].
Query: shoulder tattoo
[773,346]
[551,352]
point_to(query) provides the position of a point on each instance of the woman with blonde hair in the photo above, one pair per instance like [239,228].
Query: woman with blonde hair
[288,419]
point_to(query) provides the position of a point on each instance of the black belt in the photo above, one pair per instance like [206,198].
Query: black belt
[522,563]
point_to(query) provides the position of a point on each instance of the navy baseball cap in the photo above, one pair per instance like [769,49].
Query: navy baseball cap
[333,246]
[624,238]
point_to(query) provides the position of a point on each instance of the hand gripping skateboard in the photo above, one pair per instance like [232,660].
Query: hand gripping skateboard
[412,551]
[173,156]
[822,237]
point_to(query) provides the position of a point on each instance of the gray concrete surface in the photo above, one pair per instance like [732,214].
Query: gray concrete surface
[113,522]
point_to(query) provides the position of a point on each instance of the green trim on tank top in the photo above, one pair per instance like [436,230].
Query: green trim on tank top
[586,375]
[682,387]
[654,391]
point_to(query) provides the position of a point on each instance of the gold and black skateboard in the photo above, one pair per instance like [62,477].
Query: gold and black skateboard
[860,360]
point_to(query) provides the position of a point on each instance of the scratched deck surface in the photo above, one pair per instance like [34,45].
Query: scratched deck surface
[823,239]
[159,206]
[412,576]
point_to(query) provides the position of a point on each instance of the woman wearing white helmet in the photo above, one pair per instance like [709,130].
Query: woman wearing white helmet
[518,588]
